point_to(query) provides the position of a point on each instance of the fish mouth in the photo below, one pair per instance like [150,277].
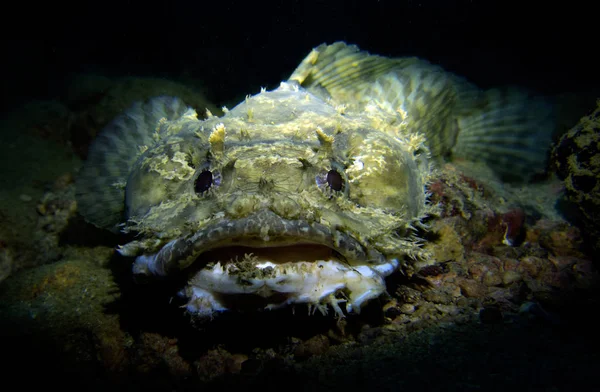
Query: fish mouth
[275,255]
[262,233]
[278,260]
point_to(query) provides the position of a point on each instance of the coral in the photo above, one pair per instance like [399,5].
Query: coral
[576,160]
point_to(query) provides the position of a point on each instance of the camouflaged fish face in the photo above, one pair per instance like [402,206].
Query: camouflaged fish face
[307,194]
[284,198]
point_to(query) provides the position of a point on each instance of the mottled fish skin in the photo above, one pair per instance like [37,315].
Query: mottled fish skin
[509,129]
[307,194]
[285,197]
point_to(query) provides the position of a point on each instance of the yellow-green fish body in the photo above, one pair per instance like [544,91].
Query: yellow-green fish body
[307,194]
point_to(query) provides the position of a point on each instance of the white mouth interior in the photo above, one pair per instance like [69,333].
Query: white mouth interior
[281,276]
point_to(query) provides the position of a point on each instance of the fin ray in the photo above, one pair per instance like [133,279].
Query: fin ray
[510,131]
[339,68]
[100,187]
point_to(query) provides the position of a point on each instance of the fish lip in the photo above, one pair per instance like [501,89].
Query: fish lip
[264,229]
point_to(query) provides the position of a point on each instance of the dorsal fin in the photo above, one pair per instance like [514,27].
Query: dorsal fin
[341,69]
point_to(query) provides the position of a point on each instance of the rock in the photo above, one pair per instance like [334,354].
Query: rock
[437,296]
[449,244]
[316,345]
[492,278]
[473,289]
[530,265]
[510,277]
[407,308]
[408,295]
[391,309]
[219,362]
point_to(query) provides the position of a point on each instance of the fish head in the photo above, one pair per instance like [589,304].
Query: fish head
[284,199]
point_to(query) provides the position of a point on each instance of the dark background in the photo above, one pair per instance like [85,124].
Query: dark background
[234,48]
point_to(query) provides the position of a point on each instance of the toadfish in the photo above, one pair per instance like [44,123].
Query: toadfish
[307,194]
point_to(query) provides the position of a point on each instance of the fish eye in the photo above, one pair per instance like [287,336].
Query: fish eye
[335,180]
[203,182]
